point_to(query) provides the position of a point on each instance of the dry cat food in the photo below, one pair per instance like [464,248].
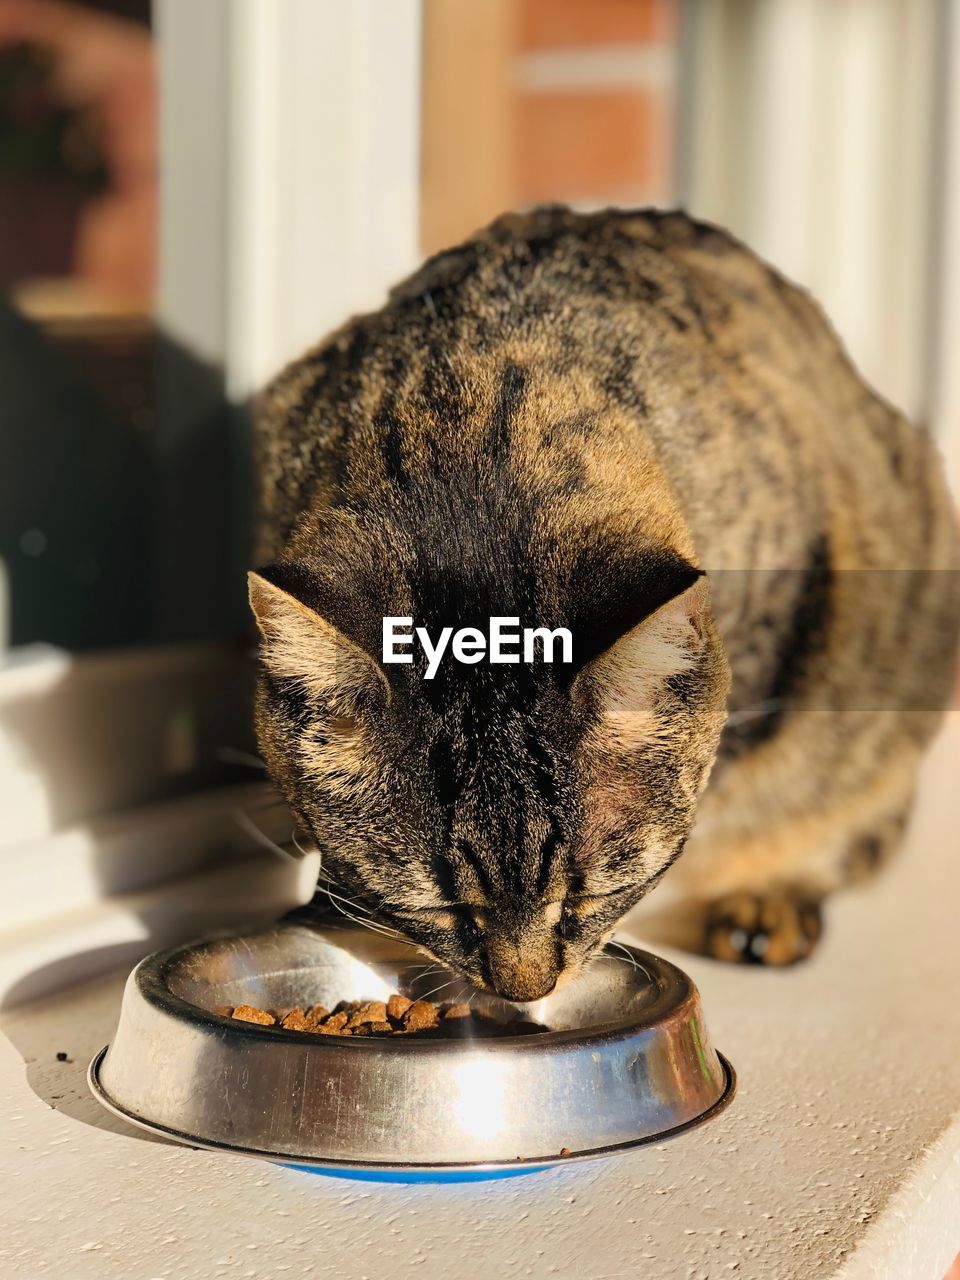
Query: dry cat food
[398,1016]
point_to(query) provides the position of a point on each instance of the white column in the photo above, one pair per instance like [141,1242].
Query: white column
[324,170]
[192,62]
[811,134]
[946,363]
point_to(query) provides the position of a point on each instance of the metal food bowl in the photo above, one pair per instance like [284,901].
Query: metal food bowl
[626,1059]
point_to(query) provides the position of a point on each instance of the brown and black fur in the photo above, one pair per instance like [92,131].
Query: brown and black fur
[627,424]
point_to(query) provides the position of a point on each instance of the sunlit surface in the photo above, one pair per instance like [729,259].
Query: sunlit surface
[538,1011]
[364,983]
[478,1103]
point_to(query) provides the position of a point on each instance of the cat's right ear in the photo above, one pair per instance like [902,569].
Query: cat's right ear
[300,646]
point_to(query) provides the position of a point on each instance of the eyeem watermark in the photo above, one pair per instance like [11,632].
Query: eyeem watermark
[504,643]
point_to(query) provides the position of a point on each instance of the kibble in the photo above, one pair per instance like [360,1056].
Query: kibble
[421,1015]
[397,1006]
[398,1016]
[371,1011]
[456,1011]
[249,1013]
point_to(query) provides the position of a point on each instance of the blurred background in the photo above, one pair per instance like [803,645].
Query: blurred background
[190,194]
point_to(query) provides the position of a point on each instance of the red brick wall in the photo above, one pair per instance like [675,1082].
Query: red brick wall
[569,100]
[546,24]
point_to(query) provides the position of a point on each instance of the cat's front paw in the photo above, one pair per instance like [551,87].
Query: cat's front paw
[777,928]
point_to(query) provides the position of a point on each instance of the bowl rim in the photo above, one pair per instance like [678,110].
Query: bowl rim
[322,1162]
[672,999]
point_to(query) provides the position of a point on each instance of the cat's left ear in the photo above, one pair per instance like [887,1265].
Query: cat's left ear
[628,677]
[300,645]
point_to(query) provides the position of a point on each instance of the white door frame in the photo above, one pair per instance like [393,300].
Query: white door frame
[324,170]
[812,132]
[289,146]
[945,406]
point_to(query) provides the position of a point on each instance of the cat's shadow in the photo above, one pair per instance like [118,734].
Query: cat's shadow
[58,1036]
[138,540]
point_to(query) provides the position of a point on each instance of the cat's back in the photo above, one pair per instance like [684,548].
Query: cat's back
[705,356]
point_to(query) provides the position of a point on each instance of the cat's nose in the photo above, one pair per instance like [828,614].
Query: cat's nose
[521,970]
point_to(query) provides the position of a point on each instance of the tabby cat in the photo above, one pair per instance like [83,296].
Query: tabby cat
[625,424]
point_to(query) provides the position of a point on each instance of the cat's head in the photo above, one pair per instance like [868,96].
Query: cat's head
[502,817]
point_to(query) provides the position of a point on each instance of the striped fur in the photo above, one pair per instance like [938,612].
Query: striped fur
[568,419]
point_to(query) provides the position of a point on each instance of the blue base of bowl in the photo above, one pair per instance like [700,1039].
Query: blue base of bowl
[415,1175]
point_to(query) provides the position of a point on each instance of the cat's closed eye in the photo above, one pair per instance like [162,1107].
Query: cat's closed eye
[568,926]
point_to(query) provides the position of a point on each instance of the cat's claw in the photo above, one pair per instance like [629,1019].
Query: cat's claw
[775,928]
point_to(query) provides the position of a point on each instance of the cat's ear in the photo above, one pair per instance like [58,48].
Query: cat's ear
[627,678]
[617,583]
[299,645]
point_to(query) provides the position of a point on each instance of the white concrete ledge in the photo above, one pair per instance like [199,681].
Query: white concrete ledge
[838,1158]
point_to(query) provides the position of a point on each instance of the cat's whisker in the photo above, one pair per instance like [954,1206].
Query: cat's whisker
[609,960]
[382,930]
[612,942]
[627,958]
[293,837]
[266,797]
[754,712]
[368,920]
[325,875]
[361,918]
[364,917]
[244,821]
[614,960]
[232,755]
[357,905]
[350,902]
[442,987]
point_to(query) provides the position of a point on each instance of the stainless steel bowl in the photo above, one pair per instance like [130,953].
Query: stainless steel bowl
[627,1058]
